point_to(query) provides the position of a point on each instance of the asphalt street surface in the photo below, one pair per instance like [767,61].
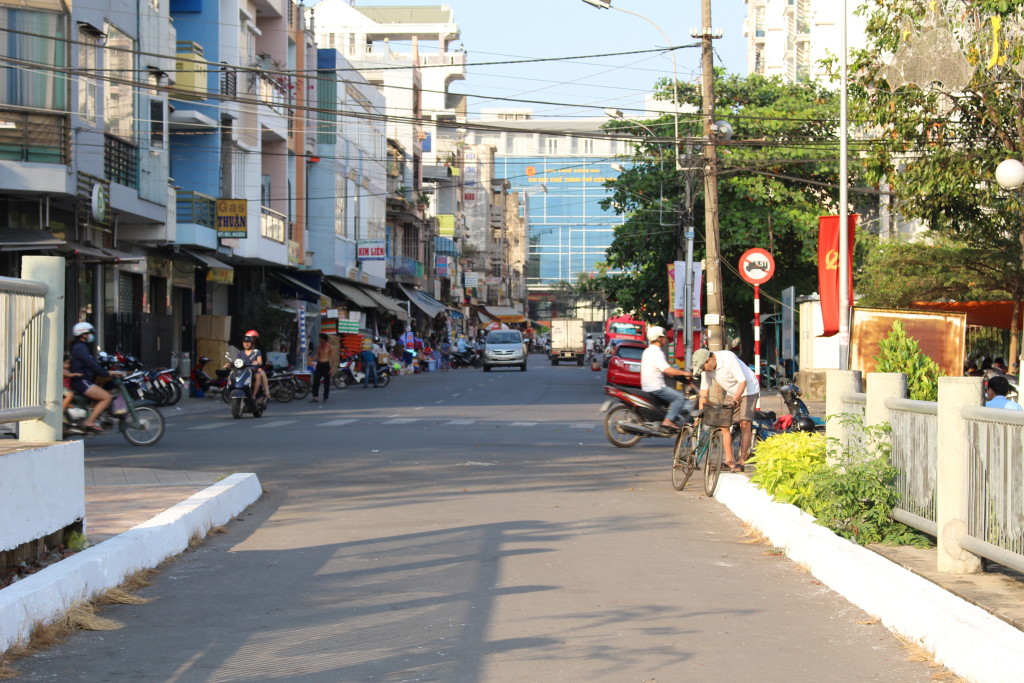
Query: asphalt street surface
[462,527]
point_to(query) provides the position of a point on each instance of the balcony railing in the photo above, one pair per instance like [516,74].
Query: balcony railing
[42,138]
[120,161]
[402,265]
[272,224]
[274,94]
[190,77]
[198,208]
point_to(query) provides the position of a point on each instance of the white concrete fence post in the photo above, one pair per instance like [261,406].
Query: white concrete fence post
[881,386]
[837,383]
[48,269]
[952,488]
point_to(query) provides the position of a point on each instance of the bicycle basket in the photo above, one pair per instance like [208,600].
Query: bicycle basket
[717,416]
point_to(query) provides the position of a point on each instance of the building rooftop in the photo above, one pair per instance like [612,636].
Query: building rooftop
[409,14]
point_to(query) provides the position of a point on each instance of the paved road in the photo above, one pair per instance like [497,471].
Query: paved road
[465,527]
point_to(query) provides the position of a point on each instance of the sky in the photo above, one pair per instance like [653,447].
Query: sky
[495,30]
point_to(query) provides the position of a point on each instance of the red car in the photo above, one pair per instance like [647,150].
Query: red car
[624,364]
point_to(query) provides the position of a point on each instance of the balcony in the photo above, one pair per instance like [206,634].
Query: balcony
[404,269]
[120,161]
[272,224]
[197,208]
[39,138]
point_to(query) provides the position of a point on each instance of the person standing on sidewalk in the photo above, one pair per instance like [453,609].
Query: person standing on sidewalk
[323,370]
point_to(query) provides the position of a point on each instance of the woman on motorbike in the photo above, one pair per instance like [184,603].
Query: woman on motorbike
[250,354]
[87,370]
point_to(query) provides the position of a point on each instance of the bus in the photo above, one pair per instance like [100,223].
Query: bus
[624,327]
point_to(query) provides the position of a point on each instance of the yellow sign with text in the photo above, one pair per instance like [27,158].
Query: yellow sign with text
[232,218]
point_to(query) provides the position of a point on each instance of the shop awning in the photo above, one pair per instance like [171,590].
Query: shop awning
[455,315]
[982,313]
[98,254]
[22,239]
[299,288]
[505,314]
[426,303]
[207,260]
[347,290]
[387,304]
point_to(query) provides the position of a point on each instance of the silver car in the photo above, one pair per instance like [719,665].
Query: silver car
[504,348]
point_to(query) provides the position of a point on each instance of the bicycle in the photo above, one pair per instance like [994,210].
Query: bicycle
[706,449]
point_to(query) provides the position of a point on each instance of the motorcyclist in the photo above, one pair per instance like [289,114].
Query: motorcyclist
[252,355]
[653,368]
[589,347]
[261,374]
[87,370]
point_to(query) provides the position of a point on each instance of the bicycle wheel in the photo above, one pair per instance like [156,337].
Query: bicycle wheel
[684,460]
[713,463]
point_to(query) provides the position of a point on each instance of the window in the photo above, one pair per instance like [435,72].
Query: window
[340,199]
[587,146]
[156,123]
[87,65]
[354,209]
[119,98]
[41,38]
[520,145]
[551,146]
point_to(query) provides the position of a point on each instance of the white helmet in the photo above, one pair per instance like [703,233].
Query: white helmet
[655,333]
[81,328]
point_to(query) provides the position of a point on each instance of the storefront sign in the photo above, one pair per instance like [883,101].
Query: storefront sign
[472,280]
[372,250]
[232,218]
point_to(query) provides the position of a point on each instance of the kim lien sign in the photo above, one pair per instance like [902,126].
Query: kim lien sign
[232,218]
[371,250]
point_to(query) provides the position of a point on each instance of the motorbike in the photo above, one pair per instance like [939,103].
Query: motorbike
[632,414]
[466,359]
[350,372]
[204,385]
[282,385]
[240,390]
[135,417]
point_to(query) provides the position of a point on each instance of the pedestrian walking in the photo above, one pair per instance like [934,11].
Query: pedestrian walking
[323,370]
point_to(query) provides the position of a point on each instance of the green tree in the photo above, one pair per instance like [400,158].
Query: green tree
[775,179]
[937,142]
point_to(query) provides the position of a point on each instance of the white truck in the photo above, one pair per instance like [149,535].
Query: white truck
[567,340]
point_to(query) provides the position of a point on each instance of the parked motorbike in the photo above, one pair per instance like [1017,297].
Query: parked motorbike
[282,385]
[240,383]
[201,384]
[632,414]
[133,416]
[350,372]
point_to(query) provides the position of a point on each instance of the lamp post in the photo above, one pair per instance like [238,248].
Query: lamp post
[1010,176]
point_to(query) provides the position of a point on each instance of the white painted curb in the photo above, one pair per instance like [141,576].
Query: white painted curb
[45,595]
[962,637]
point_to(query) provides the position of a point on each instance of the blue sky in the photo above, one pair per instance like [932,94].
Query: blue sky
[495,30]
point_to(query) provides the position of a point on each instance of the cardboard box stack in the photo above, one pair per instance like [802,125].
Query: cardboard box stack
[212,335]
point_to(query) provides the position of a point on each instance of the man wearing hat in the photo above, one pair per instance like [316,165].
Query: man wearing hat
[741,388]
[653,368]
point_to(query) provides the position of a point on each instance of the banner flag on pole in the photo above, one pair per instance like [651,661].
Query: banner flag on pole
[828,269]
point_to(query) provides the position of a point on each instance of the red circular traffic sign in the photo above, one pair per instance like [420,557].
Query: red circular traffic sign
[757,266]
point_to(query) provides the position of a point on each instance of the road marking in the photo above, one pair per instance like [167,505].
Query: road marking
[402,421]
[275,423]
[461,422]
[522,424]
[576,426]
[419,408]
[395,415]
[212,425]
[336,423]
[458,394]
[441,401]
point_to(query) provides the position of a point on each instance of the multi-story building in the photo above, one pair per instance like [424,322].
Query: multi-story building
[558,167]
[790,38]
[83,159]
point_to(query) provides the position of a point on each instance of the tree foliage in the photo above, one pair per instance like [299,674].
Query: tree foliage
[775,177]
[938,146]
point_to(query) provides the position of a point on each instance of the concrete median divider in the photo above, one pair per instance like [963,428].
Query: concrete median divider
[43,596]
[964,638]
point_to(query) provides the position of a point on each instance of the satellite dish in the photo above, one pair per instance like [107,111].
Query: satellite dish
[723,130]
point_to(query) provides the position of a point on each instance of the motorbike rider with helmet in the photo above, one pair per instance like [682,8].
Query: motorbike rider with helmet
[653,368]
[252,354]
[87,369]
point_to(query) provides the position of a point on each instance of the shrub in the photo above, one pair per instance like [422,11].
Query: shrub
[900,353]
[785,463]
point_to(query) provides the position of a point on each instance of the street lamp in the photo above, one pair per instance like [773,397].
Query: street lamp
[1010,176]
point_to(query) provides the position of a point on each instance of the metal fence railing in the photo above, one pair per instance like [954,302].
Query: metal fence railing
[995,524]
[21,329]
[915,453]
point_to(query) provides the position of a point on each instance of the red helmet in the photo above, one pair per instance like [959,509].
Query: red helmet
[253,333]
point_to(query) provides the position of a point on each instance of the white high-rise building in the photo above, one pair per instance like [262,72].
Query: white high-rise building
[790,38]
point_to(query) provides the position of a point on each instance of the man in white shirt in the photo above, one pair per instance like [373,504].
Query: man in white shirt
[653,368]
[589,347]
[740,385]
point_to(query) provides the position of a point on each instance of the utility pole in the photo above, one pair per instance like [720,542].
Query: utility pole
[713,270]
